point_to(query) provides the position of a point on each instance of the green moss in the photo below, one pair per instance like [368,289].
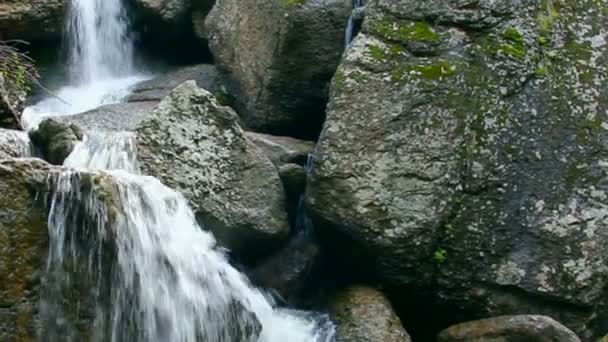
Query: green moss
[547,16]
[292,2]
[440,256]
[434,71]
[339,80]
[410,31]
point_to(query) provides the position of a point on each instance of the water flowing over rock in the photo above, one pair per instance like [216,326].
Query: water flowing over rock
[14,144]
[195,145]
[363,314]
[24,243]
[464,151]
[282,54]
[112,117]
[32,19]
[509,329]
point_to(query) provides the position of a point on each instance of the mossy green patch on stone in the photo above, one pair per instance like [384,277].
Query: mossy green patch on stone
[436,70]
[405,32]
[292,2]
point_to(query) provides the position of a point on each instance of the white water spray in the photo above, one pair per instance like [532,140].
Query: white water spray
[170,282]
[100,61]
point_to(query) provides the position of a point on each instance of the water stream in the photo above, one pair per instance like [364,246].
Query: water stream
[349,34]
[100,66]
[145,270]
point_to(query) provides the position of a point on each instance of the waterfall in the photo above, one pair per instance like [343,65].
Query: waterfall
[99,41]
[101,67]
[349,34]
[168,282]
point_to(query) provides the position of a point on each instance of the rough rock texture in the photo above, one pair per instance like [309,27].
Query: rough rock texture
[23,247]
[195,146]
[32,19]
[114,117]
[282,54]
[363,314]
[56,140]
[509,329]
[206,76]
[14,144]
[12,102]
[465,152]
[24,244]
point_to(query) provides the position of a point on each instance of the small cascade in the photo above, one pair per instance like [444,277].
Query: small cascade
[151,273]
[350,32]
[101,67]
[100,46]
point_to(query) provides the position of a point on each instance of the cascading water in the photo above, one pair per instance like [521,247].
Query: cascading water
[349,34]
[170,282]
[100,61]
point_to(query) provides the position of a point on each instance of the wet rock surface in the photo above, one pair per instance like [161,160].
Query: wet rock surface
[14,144]
[56,140]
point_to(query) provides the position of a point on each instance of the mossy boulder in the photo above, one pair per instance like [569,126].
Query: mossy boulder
[282,55]
[464,152]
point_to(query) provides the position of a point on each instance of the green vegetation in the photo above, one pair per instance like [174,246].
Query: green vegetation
[411,31]
[16,68]
[440,256]
[292,2]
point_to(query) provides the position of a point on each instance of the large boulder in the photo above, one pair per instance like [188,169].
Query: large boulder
[363,314]
[282,54]
[14,144]
[32,19]
[195,145]
[465,152]
[56,139]
[509,329]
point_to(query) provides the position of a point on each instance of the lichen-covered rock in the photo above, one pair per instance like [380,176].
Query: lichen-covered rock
[56,139]
[32,19]
[195,146]
[282,53]
[363,314]
[465,151]
[14,144]
[509,329]
[12,102]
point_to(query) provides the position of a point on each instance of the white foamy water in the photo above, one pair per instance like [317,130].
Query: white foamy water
[171,282]
[101,69]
